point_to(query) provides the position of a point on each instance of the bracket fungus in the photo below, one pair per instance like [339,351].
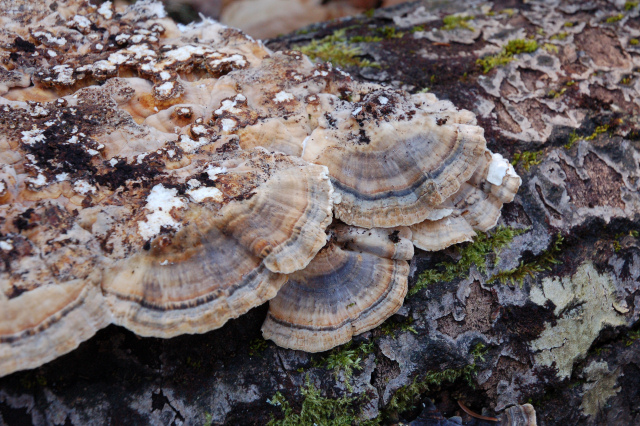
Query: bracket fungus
[168,178]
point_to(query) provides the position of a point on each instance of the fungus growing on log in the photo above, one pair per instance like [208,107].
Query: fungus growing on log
[168,178]
[346,290]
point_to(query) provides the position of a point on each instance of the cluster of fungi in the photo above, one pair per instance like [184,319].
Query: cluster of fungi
[168,178]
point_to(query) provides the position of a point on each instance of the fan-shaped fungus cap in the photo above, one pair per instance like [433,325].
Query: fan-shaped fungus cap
[475,207]
[50,296]
[210,254]
[391,163]
[343,292]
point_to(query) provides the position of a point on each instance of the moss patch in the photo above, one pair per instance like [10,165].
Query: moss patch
[470,254]
[541,263]
[316,409]
[451,22]
[335,48]
[512,48]
[407,396]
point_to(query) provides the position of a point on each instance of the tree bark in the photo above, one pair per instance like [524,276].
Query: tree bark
[550,319]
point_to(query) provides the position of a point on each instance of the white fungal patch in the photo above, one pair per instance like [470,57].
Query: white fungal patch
[39,111]
[64,74]
[283,96]
[40,180]
[228,124]
[200,194]
[189,145]
[60,41]
[81,22]
[214,171]
[238,60]
[6,245]
[121,38]
[165,89]
[83,187]
[141,51]
[164,75]
[383,100]
[105,10]
[199,130]
[356,111]
[194,183]
[498,169]
[160,202]
[113,162]
[137,38]
[106,66]
[183,53]
[229,105]
[2,187]
[60,177]
[34,136]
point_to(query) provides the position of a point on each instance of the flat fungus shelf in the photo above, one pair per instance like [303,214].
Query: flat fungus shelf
[167,178]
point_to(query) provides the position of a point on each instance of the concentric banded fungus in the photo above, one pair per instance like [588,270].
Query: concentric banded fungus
[343,292]
[169,178]
[392,163]
[244,216]
[475,207]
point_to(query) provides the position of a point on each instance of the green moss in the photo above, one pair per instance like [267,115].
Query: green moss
[634,42]
[598,131]
[568,24]
[347,359]
[451,22]
[527,159]
[334,48]
[257,346]
[630,5]
[365,39]
[556,94]
[631,337]
[551,48]
[392,328]
[416,29]
[512,48]
[316,410]
[615,18]
[616,243]
[369,13]
[389,32]
[508,12]
[541,263]
[573,138]
[470,254]
[407,396]
[560,36]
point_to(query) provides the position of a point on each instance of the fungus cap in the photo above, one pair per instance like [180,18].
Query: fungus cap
[391,163]
[343,292]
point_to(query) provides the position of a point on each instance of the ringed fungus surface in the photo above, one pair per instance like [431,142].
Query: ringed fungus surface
[167,178]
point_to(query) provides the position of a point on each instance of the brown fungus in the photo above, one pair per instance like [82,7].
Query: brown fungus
[168,178]
[343,292]
[391,163]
